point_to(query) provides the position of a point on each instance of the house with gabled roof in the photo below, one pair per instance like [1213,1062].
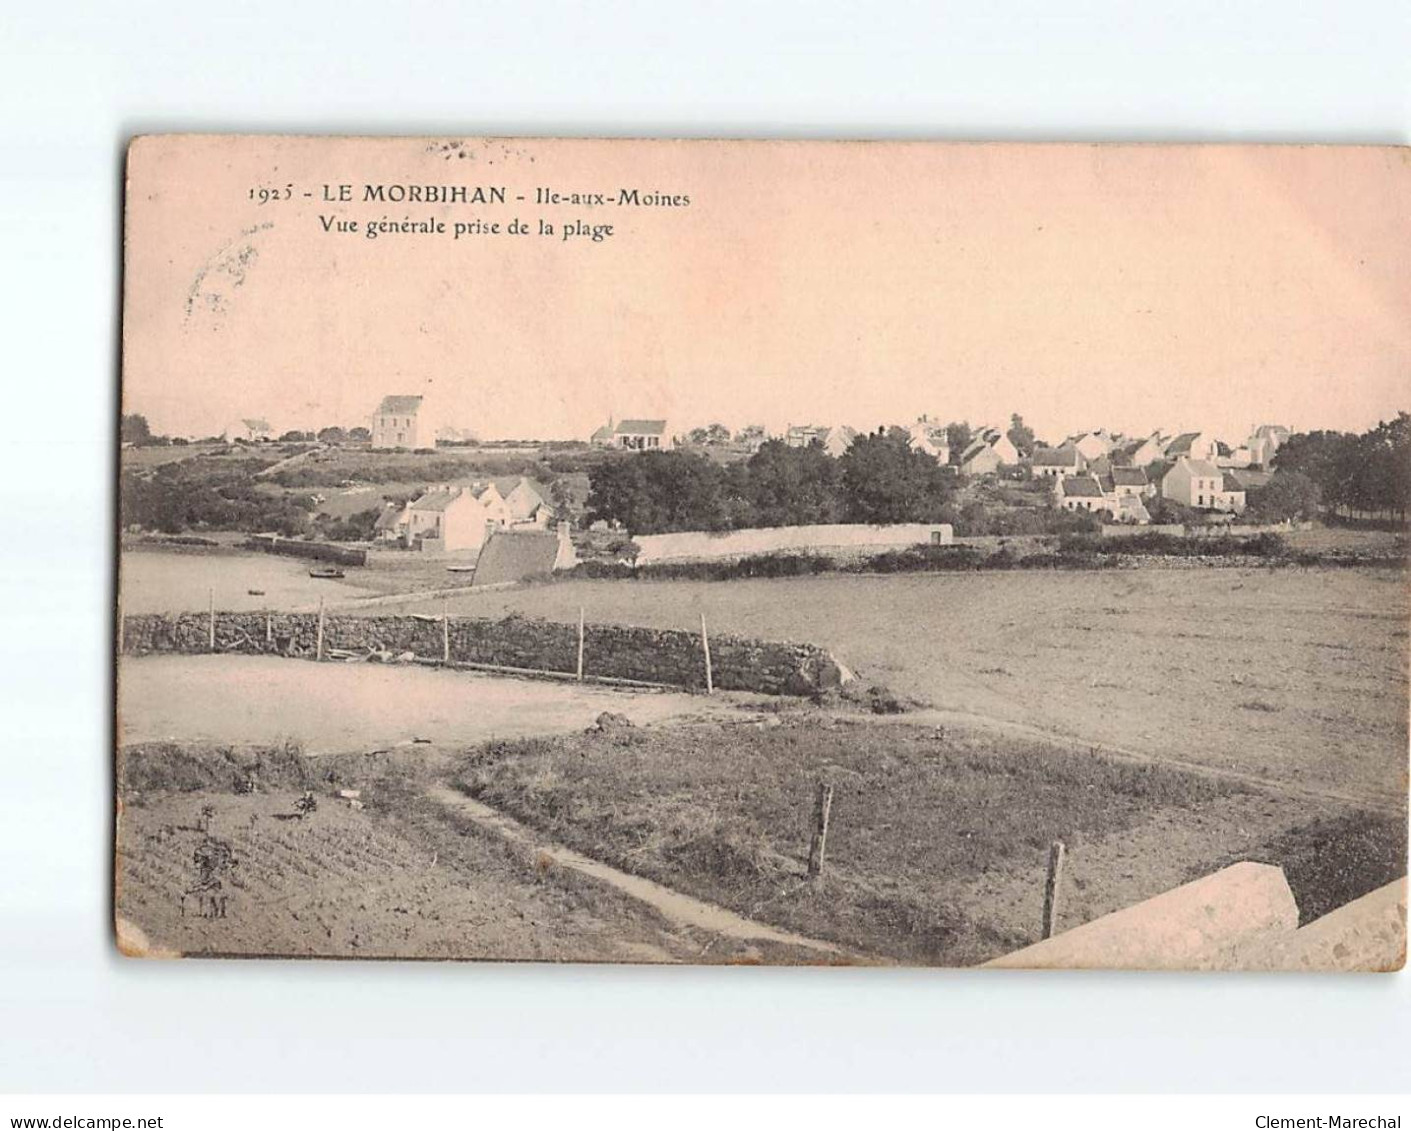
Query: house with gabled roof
[642,436]
[929,437]
[1193,483]
[1093,445]
[525,500]
[834,440]
[1140,452]
[1264,442]
[1231,496]
[1131,481]
[604,436]
[1191,445]
[455,517]
[979,458]
[1057,463]
[1080,493]
[402,422]
[392,523]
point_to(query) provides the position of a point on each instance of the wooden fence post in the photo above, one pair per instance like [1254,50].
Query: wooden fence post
[1051,888]
[705,647]
[580,643]
[269,630]
[318,648]
[211,622]
[823,806]
[445,630]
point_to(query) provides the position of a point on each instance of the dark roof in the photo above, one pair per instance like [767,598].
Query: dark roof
[1129,477]
[403,405]
[641,427]
[514,555]
[389,517]
[436,500]
[1065,456]
[1082,487]
[1181,443]
[1232,483]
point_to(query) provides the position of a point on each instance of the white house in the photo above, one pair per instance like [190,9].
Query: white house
[456,517]
[1190,445]
[1057,463]
[1091,445]
[1140,453]
[835,440]
[642,436]
[1232,494]
[1265,441]
[980,458]
[1129,481]
[1194,483]
[1080,493]
[929,437]
[1002,445]
[402,422]
[525,501]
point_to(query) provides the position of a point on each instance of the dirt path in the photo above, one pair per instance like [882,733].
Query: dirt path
[683,910]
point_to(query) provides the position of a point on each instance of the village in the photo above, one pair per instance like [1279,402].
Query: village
[505,527]
[655,653]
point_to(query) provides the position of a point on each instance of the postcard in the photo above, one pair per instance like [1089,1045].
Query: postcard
[764,552]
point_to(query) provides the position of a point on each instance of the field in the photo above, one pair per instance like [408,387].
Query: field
[1297,676]
[1162,722]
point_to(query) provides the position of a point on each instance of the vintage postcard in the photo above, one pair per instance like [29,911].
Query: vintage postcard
[825,553]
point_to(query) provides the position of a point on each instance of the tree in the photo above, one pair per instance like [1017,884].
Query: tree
[713,434]
[294,436]
[1020,435]
[135,429]
[885,480]
[659,492]
[958,437]
[332,434]
[1288,495]
[360,435]
[787,486]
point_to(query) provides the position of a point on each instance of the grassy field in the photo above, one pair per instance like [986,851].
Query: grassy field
[1297,675]
[938,839]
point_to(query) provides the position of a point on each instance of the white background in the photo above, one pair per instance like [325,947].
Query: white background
[77,80]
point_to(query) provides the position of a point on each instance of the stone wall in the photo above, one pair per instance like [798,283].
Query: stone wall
[612,651]
[315,551]
[697,545]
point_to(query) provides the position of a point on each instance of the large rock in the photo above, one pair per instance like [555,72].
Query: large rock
[1189,927]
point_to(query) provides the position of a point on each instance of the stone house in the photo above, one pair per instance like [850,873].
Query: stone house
[402,422]
[1057,463]
[1194,483]
[455,518]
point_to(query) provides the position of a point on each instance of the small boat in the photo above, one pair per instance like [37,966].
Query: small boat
[255,592]
[327,573]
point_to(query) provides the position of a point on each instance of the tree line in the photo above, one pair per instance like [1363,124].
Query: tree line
[879,479]
[1359,475]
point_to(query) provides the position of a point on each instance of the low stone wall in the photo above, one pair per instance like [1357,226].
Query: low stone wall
[315,551]
[697,545]
[610,651]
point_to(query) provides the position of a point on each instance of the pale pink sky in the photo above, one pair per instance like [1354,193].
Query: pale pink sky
[1131,287]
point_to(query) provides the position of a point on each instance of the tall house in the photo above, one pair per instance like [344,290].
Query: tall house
[401,422]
